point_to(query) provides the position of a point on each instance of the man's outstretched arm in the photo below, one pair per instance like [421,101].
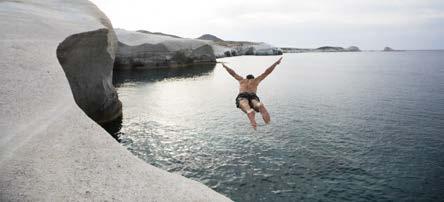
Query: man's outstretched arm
[269,70]
[232,73]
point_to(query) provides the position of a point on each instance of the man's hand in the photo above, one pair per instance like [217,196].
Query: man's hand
[225,66]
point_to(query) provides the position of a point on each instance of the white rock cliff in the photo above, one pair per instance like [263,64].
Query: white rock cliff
[55,53]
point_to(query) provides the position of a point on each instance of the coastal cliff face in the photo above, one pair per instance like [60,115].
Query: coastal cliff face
[56,54]
[143,49]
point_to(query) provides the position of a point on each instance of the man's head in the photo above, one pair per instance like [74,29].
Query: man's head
[250,76]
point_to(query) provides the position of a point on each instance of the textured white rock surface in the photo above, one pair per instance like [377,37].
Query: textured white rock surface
[49,149]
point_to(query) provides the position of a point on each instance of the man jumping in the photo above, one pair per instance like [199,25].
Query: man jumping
[247,100]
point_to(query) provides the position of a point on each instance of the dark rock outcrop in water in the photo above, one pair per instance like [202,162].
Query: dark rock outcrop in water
[209,37]
[50,150]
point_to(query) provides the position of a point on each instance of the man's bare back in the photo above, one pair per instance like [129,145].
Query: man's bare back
[248,85]
[247,100]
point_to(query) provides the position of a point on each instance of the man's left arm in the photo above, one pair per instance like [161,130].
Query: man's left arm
[268,70]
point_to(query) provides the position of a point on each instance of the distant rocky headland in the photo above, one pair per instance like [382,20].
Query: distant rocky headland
[143,49]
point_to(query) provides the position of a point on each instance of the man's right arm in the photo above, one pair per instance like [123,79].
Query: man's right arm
[232,73]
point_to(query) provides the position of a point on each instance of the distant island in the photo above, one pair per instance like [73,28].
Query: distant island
[388,49]
[321,49]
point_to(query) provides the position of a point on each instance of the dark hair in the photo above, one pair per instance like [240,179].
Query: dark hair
[250,76]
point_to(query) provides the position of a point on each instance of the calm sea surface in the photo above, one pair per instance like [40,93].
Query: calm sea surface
[345,126]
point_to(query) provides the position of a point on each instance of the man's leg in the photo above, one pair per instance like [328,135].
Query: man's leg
[244,105]
[259,106]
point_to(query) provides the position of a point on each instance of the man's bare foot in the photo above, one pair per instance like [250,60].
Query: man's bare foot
[251,117]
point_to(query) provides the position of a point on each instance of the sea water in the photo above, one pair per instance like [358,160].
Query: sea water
[361,126]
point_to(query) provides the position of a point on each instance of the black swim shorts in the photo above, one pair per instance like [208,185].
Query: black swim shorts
[247,95]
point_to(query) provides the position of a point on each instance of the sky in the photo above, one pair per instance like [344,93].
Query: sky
[368,24]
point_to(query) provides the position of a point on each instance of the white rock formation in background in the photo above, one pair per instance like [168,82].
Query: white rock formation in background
[234,48]
[144,49]
[49,149]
